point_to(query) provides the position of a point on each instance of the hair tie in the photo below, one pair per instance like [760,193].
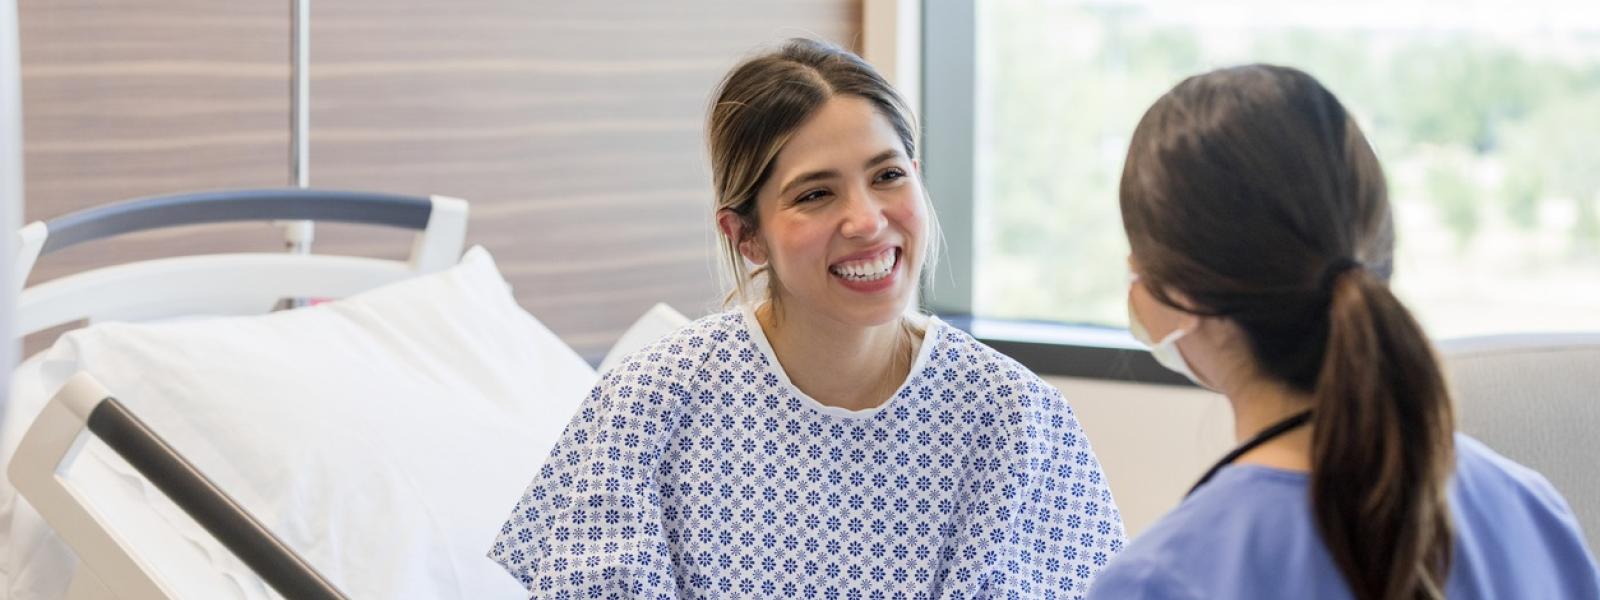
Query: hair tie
[1334,270]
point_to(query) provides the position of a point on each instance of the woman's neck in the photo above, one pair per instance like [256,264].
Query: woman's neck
[837,364]
[1261,403]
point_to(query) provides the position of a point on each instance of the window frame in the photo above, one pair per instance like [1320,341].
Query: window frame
[948,93]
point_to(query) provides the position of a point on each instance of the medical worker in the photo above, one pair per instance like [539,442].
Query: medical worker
[1262,244]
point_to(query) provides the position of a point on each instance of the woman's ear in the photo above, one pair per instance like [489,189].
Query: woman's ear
[734,228]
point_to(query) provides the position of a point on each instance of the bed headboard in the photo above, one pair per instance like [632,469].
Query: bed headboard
[227,284]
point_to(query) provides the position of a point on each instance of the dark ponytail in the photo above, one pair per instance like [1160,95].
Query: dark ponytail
[1382,449]
[1253,193]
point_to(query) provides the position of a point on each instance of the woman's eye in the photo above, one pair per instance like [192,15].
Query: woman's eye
[890,175]
[811,196]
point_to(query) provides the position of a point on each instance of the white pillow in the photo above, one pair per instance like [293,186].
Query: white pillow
[384,436]
[655,324]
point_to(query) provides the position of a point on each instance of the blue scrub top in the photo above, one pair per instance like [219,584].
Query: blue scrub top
[1249,533]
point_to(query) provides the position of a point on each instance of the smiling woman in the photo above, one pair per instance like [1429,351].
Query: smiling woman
[842,105]
[841,227]
[823,437]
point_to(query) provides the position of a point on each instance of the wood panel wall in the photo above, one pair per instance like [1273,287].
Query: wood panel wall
[574,129]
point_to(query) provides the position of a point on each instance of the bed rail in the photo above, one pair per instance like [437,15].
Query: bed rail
[286,204]
[84,407]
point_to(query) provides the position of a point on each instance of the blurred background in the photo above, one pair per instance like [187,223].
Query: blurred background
[1484,113]
[574,129]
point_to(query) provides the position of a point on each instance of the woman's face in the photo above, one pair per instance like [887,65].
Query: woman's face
[841,218]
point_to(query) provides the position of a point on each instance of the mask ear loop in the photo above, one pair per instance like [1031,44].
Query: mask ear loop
[1170,341]
[1172,338]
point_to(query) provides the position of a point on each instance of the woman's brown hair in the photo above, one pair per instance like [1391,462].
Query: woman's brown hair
[1251,192]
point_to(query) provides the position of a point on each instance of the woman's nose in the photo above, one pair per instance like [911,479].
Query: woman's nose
[863,216]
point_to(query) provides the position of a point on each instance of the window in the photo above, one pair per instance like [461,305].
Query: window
[1485,115]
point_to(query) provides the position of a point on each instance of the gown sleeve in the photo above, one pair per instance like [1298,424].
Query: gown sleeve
[590,525]
[1038,519]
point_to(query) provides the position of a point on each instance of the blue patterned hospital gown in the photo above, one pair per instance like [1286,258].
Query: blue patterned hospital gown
[694,469]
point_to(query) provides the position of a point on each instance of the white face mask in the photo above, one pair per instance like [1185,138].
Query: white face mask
[1166,351]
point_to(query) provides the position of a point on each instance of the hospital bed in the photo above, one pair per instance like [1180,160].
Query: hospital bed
[493,389]
[229,284]
[193,441]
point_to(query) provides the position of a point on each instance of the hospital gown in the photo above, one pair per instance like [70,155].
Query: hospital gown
[694,469]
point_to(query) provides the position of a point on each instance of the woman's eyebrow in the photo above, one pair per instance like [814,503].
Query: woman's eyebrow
[807,178]
[882,156]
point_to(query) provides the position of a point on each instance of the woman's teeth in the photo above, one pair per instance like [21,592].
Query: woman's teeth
[867,270]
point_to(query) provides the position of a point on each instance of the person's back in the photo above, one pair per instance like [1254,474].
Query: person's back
[1262,243]
[1249,533]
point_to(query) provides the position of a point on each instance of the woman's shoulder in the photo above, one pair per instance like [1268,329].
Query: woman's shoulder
[1508,514]
[1223,541]
[1241,500]
[955,348]
[1487,482]
[1479,465]
[960,359]
[681,350]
